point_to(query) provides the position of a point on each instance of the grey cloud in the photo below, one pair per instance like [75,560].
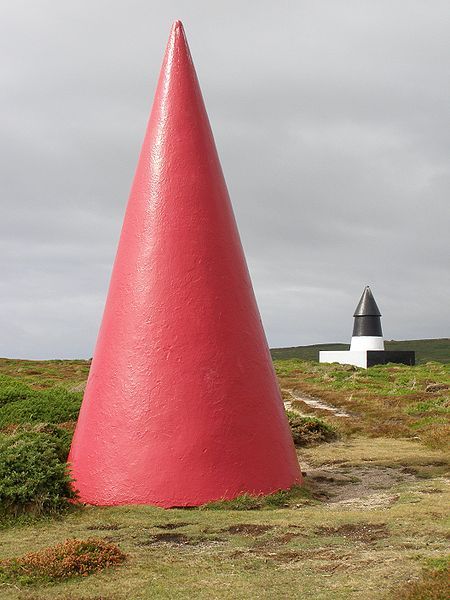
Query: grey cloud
[331,120]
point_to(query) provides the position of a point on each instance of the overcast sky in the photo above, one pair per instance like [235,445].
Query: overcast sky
[331,119]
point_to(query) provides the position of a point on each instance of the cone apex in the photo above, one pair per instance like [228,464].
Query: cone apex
[177,29]
[177,56]
[367,305]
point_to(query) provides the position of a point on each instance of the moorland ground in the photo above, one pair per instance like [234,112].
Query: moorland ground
[426,350]
[370,522]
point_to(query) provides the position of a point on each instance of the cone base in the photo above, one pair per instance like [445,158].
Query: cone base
[185,503]
[177,484]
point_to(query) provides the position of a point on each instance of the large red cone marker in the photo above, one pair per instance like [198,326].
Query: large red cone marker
[182,405]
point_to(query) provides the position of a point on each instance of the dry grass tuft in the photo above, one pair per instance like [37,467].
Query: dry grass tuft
[433,584]
[72,557]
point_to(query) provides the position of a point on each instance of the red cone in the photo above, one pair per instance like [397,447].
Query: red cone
[182,405]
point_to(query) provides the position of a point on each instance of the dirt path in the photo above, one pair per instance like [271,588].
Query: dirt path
[368,474]
[363,487]
[313,403]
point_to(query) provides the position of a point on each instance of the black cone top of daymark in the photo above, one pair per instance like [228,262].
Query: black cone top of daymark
[367,307]
[367,316]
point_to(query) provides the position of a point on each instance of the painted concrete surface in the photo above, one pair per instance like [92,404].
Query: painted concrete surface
[182,405]
[344,357]
[367,342]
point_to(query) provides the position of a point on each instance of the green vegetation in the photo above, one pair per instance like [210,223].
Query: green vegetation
[12,390]
[371,519]
[426,350]
[19,403]
[304,352]
[386,400]
[281,499]
[307,431]
[33,474]
[433,583]
[33,448]
[372,507]
[44,374]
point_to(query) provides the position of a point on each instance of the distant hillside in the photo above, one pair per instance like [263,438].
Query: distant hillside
[426,350]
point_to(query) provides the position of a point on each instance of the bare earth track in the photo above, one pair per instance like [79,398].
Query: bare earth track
[314,403]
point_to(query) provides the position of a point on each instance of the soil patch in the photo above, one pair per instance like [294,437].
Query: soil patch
[288,556]
[177,539]
[171,526]
[358,532]
[247,529]
[436,387]
[104,527]
[368,486]
[287,537]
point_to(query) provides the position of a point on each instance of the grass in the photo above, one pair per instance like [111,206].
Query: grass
[373,508]
[281,499]
[426,350]
[45,374]
[386,400]
[433,583]
[327,549]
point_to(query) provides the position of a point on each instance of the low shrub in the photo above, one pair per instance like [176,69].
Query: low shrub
[68,559]
[56,405]
[307,431]
[61,438]
[33,475]
[12,390]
